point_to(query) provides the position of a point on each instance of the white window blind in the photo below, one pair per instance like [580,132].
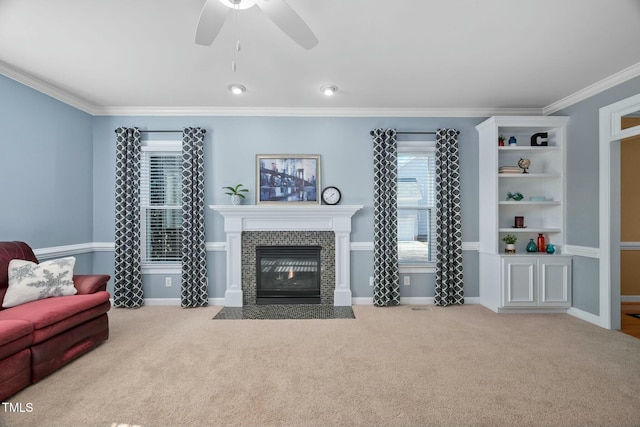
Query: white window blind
[161,205]
[416,202]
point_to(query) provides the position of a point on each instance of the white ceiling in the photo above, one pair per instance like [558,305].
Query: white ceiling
[384,55]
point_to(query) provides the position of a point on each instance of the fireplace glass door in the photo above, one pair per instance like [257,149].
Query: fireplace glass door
[288,274]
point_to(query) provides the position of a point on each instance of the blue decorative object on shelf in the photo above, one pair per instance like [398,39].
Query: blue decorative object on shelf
[512,140]
[515,196]
[550,248]
[531,246]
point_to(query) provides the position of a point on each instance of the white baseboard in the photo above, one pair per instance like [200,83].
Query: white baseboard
[586,316]
[410,300]
[173,302]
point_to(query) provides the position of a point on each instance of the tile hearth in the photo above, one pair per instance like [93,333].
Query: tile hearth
[288,311]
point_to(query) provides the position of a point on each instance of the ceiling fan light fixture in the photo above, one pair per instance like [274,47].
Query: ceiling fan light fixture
[239,4]
[329,90]
[237,89]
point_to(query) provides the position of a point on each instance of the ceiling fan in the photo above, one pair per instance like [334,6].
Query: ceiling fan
[215,12]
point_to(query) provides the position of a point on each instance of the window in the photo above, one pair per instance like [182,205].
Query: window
[160,203]
[416,203]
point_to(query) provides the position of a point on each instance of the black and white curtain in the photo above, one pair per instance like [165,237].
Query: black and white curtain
[448,288]
[194,256]
[127,275]
[386,279]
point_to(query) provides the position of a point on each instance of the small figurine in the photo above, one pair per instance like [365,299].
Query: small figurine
[515,196]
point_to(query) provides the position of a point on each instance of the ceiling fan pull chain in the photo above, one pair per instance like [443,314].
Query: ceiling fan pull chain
[235,53]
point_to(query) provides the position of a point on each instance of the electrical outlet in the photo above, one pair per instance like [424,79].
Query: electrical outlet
[371,281]
[407,280]
[167,282]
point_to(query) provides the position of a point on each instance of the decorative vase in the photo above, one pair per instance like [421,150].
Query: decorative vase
[541,244]
[550,249]
[531,246]
[235,199]
[512,140]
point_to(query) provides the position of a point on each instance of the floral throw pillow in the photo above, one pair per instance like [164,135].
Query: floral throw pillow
[29,281]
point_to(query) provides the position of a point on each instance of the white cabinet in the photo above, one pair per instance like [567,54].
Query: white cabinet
[536,281]
[524,280]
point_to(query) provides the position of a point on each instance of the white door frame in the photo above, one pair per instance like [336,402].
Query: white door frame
[611,133]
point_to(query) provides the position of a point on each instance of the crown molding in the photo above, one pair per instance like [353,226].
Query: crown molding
[47,88]
[315,112]
[95,110]
[594,89]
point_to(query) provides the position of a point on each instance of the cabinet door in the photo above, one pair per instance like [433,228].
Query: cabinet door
[519,282]
[555,282]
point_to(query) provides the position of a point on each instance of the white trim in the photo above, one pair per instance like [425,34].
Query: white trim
[584,251]
[417,268]
[154,268]
[588,317]
[175,302]
[95,110]
[362,246]
[47,88]
[604,84]
[629,298]
[81,248]
[62,251]
[104,246]
[411,300]
[216,246]
[609,208]
[314,112]
[630,246]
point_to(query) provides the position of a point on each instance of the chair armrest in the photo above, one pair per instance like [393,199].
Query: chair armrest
[90,283]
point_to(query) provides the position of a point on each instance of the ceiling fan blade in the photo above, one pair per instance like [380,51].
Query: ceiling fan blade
[289,21]
[211,19]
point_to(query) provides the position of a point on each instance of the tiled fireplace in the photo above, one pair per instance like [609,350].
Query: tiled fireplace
[247,227]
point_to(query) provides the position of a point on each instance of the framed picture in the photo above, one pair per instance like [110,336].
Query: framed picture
[288,178]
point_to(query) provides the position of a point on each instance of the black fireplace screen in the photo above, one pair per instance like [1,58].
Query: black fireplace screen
[288,274]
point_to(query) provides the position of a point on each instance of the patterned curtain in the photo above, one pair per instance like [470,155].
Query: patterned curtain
[448,289]
[386,279]
[127,276]
[194,256]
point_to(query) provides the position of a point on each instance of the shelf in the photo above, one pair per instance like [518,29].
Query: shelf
[531,202]
[529,175]
[529,148]
[529,230]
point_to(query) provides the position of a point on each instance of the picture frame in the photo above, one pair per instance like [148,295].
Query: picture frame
[288,179]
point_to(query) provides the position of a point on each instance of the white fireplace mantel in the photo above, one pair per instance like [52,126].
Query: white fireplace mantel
[239,218]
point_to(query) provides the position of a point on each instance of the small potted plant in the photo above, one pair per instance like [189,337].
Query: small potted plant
[501,141]
[510,243]
[236,193]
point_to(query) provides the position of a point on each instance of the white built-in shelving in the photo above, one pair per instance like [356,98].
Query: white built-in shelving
[524,280]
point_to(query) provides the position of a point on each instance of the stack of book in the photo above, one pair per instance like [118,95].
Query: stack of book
[509,169]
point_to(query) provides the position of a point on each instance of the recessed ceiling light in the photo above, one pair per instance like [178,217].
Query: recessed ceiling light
[237,89]
[238,4]
[329,89]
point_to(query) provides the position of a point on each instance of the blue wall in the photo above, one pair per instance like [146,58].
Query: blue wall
[231,145]
[46,166]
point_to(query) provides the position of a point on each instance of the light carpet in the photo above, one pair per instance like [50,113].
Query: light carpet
[451,366]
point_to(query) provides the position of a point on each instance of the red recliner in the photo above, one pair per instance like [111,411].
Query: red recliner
[39,337]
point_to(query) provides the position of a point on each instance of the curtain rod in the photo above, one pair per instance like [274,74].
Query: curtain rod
[419,133]
[156,131]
